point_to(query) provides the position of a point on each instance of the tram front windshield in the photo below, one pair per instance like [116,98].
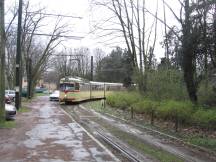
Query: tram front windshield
[67,87]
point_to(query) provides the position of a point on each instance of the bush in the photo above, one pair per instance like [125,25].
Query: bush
[166,85]
[146,106]
[170,109]
[207,95]
[123,100]
[205,118]
[176,111]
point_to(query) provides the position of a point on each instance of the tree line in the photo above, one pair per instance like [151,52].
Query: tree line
[189,46]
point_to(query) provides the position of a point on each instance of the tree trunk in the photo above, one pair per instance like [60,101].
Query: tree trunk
[152,117]
[214,38]
[189,56]
[29,78]
[2,61]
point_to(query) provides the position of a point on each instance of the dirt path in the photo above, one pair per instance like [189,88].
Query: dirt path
[47,134]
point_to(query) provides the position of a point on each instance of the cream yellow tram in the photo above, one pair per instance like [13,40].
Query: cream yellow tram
[75,89]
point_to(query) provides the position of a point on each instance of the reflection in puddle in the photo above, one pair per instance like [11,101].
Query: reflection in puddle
[51,133]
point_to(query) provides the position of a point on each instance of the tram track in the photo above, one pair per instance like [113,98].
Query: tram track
[93,121]
[161,135]
[126,153]
[130,156]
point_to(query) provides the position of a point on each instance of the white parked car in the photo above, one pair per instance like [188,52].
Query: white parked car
[11,94]
[10,111]
[54,96]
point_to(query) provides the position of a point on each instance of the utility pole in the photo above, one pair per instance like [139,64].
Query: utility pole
[91,76]
[18,57]
[2,62]
[92,68]
[30,78]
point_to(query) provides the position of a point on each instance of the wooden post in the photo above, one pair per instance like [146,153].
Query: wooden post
[104,95]
[132,113]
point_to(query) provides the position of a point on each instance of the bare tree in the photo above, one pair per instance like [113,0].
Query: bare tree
[36,55]
[131,16]
[11,48]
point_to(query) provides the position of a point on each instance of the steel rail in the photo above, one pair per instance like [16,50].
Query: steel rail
[118,147]
[128,155]
[161,134]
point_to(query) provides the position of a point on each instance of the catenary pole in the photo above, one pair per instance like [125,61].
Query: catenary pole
[2,61]
[92,68]
[18,57]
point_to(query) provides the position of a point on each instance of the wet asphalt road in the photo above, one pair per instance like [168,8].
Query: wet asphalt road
[47,134]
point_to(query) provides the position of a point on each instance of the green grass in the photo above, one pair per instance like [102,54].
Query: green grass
[40,94]
[154,152]
[206,142]
[24,109]
[131,140]
[7,124]
[123,100]
[209,143]
[99,107]
[146,149]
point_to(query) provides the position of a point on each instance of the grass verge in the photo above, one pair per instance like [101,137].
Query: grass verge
[7,124]
[40,94]
[206,142]
[24,109]
[131,140]
[144,148]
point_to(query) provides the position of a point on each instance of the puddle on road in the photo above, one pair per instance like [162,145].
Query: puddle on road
[50,132]
[51,160]
[97,154]
[33,143]
[81,154]
[46,112]
[70,143]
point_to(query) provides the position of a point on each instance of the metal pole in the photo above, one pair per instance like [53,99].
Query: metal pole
[65,67]
[30,77]
[104,95]
[90,90]
[18,56]
[92,68]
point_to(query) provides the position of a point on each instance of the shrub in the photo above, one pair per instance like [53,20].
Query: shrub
[165,85]
[207,95]
[123,100]
[205,118]
[176,110]
[146,106]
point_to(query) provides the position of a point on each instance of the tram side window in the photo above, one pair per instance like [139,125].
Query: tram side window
[77,86]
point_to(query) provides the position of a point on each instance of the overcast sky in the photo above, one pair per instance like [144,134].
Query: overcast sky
[82,27]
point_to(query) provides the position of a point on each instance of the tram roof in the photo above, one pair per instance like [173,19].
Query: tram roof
[106,83]
[81,80]
[71,79]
